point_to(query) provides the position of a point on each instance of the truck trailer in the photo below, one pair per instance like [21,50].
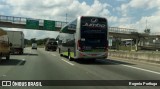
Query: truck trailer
[4,45]
[17,40]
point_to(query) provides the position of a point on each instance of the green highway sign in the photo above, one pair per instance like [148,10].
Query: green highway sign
[49,25]
[32,24]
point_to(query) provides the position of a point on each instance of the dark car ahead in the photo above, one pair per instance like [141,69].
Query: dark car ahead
[51,44]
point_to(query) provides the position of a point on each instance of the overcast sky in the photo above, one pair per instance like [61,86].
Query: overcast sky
[120,13]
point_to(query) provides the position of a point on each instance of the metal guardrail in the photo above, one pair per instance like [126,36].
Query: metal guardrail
[121,30]
[59,24]
[157,33]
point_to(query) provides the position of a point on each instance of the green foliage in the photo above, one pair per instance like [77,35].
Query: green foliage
[147,31]
[33,40]
[127,47]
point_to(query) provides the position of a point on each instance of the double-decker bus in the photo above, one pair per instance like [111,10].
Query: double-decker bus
[84,38]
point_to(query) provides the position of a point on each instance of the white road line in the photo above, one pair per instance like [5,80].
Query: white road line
[4,75]
[137,68]
[68,62]
[53,54]
[30,51]
[21,61]
[142,69]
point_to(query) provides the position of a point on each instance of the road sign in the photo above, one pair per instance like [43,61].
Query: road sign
[49,25]
[32,24]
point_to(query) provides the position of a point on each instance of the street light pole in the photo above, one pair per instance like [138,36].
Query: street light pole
[66,17]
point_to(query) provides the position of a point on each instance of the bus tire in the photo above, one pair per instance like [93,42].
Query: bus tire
[93,60]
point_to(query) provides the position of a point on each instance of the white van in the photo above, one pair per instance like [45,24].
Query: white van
[34,45]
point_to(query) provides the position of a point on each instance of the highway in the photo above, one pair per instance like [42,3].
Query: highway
[46,65]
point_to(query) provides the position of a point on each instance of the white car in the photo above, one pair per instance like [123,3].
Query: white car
[34,45]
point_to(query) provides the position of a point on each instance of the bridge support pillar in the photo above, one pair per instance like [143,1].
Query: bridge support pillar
[136,45]
[117,43]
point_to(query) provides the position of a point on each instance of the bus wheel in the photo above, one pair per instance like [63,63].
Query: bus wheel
[93,60]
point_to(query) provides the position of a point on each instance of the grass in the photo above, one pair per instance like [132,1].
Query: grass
[127,48]
[66,54]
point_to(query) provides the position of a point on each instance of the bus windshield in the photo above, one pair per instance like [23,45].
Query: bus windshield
[93,32]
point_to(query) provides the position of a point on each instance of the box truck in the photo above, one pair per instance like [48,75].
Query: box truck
[17,40]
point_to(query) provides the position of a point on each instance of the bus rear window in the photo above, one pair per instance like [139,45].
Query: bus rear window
[93,22]
[93,25]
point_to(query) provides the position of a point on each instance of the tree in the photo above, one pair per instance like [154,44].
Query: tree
[33,40]
[147,31]
[40,41]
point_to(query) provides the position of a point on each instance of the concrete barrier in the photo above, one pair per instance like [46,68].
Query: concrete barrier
[149,57]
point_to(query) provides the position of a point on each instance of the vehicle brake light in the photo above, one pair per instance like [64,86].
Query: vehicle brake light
[106,46]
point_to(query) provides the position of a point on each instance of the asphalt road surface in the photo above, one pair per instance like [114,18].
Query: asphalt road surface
[47,65]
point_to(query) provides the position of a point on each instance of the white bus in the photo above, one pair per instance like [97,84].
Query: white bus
[84,38]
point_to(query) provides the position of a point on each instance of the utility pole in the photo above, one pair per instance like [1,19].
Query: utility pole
[66,17]
[146,25]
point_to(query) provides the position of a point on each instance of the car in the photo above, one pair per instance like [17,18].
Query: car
[51,44]
[34,45]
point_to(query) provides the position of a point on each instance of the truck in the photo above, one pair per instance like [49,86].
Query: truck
[4,45]
[17,40]
[51,44]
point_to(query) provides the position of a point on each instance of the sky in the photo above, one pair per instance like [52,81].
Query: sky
[120,13]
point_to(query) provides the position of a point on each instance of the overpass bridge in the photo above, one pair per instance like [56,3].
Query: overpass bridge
[49,25]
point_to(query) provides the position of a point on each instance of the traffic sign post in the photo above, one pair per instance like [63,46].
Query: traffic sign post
[49,25]
[32,24]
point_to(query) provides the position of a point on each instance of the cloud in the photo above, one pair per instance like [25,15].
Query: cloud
[135,9]
[57,9]
[121,0]
[29,33]
[130,14]
[151,22]
[139,4]
[54,10]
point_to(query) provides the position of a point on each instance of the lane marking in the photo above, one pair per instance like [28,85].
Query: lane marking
[53,54]
[138,68]
[4,75]
[21,61]
[68,62]
[142,69]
